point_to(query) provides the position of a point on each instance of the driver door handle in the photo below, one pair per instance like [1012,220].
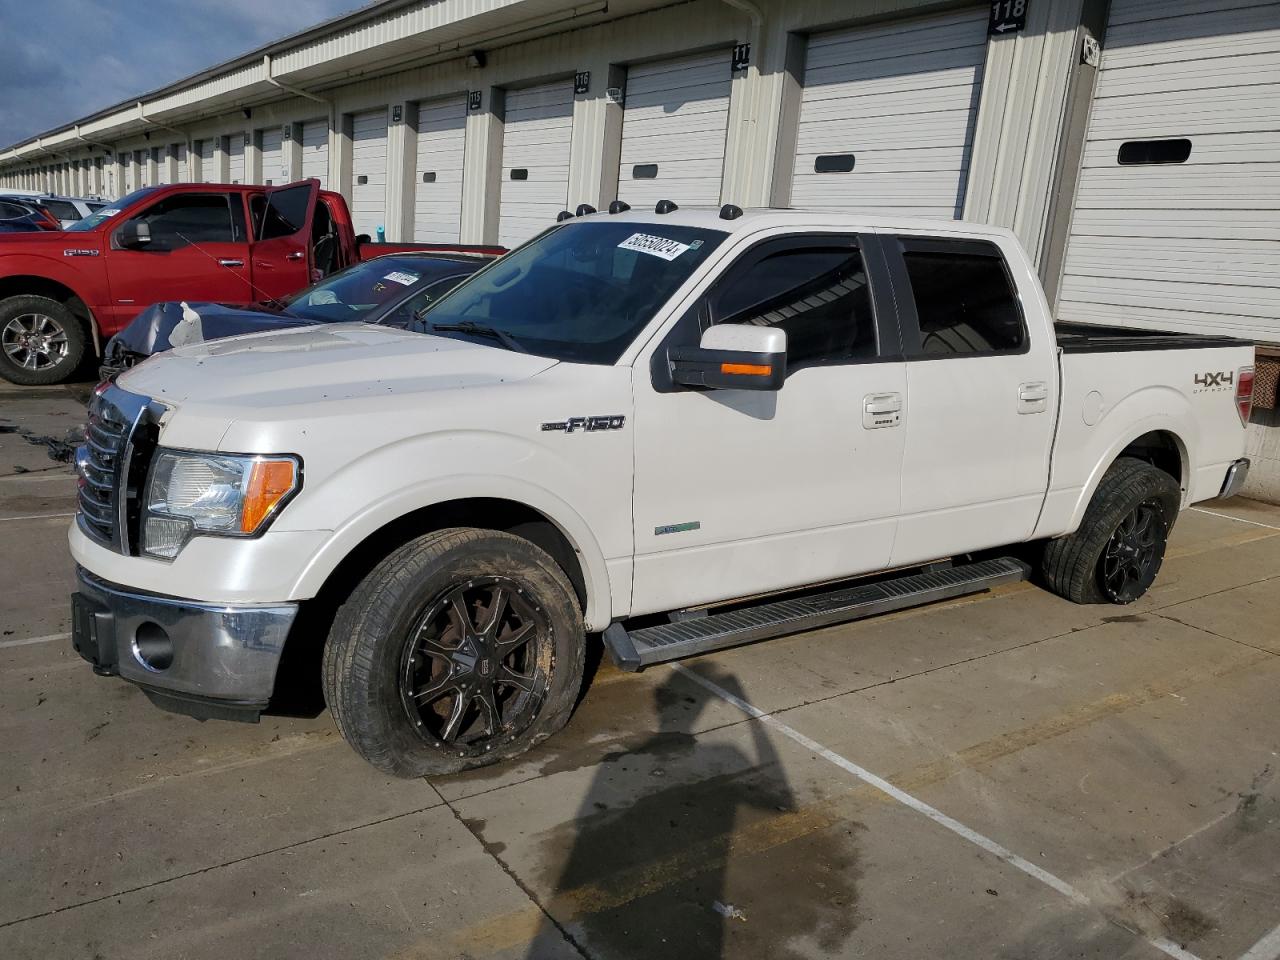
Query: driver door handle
[881,410]
[296,255]
[230,262]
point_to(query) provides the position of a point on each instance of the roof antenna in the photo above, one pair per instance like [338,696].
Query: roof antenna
[619,206]
[563,215]
[730,211]
[665,206]
[585,208]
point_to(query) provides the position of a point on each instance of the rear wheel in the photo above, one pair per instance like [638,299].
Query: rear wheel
[41,341]
[462,648]
[1116,553]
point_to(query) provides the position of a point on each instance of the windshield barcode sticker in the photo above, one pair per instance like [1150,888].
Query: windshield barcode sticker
[408,279]
[654,246]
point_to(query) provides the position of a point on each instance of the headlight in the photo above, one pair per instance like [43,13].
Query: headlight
[229,496]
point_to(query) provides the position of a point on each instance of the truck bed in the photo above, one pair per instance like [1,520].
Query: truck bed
[1084,338]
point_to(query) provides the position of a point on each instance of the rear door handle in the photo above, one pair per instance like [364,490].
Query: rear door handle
[1033,397]
[881,410]
[226,262]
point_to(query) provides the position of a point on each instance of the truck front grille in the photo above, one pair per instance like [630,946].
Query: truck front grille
[112,465]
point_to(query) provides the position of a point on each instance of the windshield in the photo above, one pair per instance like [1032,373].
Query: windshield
[364,290]
[580,292]
[104,214]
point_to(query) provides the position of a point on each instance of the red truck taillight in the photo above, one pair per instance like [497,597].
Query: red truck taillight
[1244,393]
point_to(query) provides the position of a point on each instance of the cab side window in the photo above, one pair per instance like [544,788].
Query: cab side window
[964,298]
[816,292]
[185,219]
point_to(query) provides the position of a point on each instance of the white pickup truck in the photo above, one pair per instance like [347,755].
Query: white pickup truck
[684,430]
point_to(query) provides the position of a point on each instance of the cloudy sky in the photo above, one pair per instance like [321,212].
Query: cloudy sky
[63,59]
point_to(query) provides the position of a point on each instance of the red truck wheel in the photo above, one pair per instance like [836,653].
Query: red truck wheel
[41,341]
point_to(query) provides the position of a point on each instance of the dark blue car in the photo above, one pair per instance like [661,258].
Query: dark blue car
[394,290]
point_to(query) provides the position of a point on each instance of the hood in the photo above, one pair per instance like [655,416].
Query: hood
[327,363]
[151,331]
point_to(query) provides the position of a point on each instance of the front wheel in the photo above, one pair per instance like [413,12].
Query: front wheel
[1116,553]
[41,341]
[460,649]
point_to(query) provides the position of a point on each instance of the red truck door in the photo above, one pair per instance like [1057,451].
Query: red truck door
[195,248]
[282,251]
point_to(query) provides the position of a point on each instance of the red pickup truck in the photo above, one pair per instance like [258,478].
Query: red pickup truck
[64,293]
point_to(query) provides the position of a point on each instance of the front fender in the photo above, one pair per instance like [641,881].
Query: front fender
[89,288]
[583,488]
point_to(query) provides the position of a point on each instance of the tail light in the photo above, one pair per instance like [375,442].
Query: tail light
[1244,393]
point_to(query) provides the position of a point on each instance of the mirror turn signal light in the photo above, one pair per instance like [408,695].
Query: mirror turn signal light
[747,369]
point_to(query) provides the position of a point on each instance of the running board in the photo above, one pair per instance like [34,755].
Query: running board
[636,649]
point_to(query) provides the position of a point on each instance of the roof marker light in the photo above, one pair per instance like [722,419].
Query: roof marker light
[619,206]
[664,207]
[563,215]
[584,209]
[730,211]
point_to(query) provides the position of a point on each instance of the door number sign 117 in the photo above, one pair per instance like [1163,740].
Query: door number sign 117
[1007,16]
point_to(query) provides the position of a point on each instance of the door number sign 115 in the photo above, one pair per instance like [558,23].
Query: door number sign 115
[1007,16]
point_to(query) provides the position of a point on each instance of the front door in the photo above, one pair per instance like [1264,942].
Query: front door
[982,399]
[198,251]
[739,492]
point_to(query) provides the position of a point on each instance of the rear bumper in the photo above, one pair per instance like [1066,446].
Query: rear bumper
[1237,473]
[208,660]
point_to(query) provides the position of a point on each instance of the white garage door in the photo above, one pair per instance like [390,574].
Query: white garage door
[887,115]
[273,156]
[315,151]
[208,170]
[1177,215]
[535,160]
[184,168]
[442,134]
[235,158]
[675,119]
[369,170]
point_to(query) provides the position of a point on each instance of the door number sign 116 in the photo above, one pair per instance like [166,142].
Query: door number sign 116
[1007,16]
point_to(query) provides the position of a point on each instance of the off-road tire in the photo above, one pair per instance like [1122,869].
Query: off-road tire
[61,315]
[366,648]
[1072,565]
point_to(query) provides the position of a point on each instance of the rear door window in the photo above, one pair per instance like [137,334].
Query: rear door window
[965,299]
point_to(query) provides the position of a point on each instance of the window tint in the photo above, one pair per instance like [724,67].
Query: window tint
[189,218]
[286,212]
[62,209]
[817,294]
[10,211]
[965,302]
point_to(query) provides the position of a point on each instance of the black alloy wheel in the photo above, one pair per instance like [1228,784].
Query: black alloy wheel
[1132,556]
[475,669]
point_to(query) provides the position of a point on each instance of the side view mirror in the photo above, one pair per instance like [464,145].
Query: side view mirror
[134,234]
[733,356]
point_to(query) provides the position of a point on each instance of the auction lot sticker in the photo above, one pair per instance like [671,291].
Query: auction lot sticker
[654,246]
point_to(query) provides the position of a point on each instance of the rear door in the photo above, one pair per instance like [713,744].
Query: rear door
[281,254]
[199,250]
[981,400]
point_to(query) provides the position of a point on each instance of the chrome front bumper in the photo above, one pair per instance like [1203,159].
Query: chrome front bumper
[209,660]
[1237,473]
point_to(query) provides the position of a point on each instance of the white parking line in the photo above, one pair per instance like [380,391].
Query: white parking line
[1167,947]
[1268,948]
[37,516]
[1227,516]
[27,641]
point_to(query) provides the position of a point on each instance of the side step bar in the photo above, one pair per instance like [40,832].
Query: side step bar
[634,650]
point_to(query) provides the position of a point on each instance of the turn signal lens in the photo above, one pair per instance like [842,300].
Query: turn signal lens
[747,369]
[270,481]
[1244,394]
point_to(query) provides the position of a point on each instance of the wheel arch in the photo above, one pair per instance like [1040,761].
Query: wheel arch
[34,285]
[1163,447]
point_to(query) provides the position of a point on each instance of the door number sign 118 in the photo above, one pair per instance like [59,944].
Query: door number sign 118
[1007,16]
